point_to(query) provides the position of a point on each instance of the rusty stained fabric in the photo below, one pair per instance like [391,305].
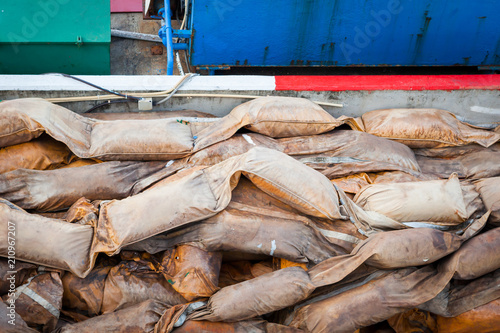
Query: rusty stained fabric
[132,282]
[23,271]
[192,272]
[393,249]
[39,301]
[11,322]
[58,189]
[43,153]
[258,296]
[139,318]
[372,302]
[425,128]
[238,271]
[251,325]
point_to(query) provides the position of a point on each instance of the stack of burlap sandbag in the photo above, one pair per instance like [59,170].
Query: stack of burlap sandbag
[275,218]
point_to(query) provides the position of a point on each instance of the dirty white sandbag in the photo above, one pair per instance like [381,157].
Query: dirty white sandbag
[430,201]
[425,128]
[201,193]
[158,139]
[45,241]
[273,116]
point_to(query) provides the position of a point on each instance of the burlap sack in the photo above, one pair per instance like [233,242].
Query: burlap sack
[147,115]
[274,116]
[256,297]
[200,194]
[139,318]
[425,128]
[393,249]
[43,153]
[131,283]
[354,183]
[489,190]
[155,139]
[45,241]
[432,201]
[192,272]
[484,319]
[39,301]
[59,189]
[354,144]
[252,325]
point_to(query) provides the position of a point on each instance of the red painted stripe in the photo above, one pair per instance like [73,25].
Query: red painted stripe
[126,6]
[388,82]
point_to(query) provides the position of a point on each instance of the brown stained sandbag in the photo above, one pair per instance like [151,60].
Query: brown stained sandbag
[425,128]
[394,249]
[39,301]
[489,190]
[139,318]
[396,177]
[80,162]
[478,256]
[192,272]
[415,321]
[200,194]
[484,319]
[426,201]
[354,144]
[11,322]
[155,139]
[36,241]
[82,212]
[13,273]
[238,271]
[85,295]
[130,283]
[273,116]
[372,302]
[57,189]
[43,153]
[261,295]
[461,297]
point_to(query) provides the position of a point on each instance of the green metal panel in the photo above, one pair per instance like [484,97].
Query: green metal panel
[39,36]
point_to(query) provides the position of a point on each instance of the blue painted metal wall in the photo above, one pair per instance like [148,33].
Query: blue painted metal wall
[345,32]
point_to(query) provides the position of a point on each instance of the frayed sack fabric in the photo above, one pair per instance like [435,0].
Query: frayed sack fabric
[43,153]
[45,241]
[425,128]
[192,272]
[445,201]
[276,117]
[129,283]
[393,249]
[39,301]
[154,139]
[264,294]
[354,144]
[139,318]
[489,190]
[58,189]
[200,194]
